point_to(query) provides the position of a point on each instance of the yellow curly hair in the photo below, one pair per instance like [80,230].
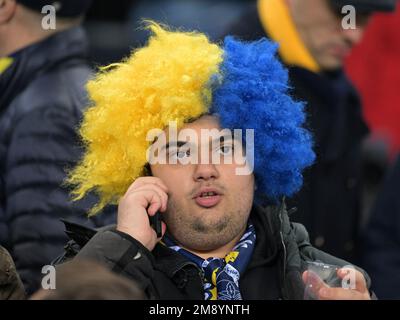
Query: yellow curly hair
[167,80]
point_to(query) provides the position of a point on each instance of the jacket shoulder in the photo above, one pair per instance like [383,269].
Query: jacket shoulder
[59,89]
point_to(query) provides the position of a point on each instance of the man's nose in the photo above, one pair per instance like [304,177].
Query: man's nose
[354,36]
[205,172]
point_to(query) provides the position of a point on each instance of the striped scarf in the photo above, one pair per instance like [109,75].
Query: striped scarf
[222,275]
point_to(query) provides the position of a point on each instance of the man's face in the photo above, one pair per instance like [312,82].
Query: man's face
[320,27]
[198,220]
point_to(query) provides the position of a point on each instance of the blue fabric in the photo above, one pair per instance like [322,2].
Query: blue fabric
[255,85]
[222,275]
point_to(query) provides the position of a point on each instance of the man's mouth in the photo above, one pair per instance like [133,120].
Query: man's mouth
[340,51]
[207,197]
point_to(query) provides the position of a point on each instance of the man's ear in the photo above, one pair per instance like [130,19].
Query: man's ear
[7,10]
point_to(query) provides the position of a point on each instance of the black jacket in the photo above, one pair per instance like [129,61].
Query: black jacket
[42,96]
[381,238]
[274,271]
[329,204]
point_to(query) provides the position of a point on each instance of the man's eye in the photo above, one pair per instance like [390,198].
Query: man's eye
[180,154]
[226,150]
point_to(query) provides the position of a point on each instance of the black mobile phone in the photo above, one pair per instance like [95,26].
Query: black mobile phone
[155,222]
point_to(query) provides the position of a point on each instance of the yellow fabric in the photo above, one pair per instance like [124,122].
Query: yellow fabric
[214,277]
[5,63]
[230,257]
[167,80]
[214,293]
[278,24]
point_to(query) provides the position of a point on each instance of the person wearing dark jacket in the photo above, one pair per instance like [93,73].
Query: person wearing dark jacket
[42,94]
[201,221]
[381,238]
[313,45]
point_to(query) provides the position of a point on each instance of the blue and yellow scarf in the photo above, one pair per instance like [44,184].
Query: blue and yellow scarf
[222,275]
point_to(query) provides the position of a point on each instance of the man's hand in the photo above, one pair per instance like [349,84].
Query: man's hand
[323,292]
[144,198]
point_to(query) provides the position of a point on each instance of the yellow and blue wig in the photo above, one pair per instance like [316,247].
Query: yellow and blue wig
[180,76]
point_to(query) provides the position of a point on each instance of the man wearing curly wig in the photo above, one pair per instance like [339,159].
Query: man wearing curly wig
[225,232]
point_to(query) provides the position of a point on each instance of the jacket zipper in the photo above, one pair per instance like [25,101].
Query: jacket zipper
[283,245]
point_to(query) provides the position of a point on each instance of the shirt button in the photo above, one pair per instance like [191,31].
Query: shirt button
[319,241]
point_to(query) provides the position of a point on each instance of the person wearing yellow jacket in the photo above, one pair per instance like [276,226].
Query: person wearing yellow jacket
[314,39]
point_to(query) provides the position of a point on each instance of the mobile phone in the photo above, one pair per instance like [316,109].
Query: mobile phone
[155,222]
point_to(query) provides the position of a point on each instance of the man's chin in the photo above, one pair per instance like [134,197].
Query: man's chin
[211,219]
[331,64]
[210,223]
[206,242]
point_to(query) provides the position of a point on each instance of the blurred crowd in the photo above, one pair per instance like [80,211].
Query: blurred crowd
[350,201]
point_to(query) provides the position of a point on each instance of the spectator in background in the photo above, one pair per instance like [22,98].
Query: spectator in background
[379,53]
[87,280]
[42,93]
[313,45]
[209,16]
[381,239]
[104,20]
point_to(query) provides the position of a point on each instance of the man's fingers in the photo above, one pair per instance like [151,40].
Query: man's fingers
[154,207]
[155,188]
[140,182]
[356,286]
[148,199]
[161,193]
[154,199]
[163,228]
[327,293]
[353,279]
[313,282]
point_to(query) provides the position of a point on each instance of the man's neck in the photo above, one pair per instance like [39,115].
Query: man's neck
[17,38]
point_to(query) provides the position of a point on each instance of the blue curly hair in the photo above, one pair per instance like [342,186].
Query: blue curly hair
[255,95]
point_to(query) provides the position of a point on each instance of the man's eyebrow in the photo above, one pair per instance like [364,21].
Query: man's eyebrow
[177,144]
[223,138]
